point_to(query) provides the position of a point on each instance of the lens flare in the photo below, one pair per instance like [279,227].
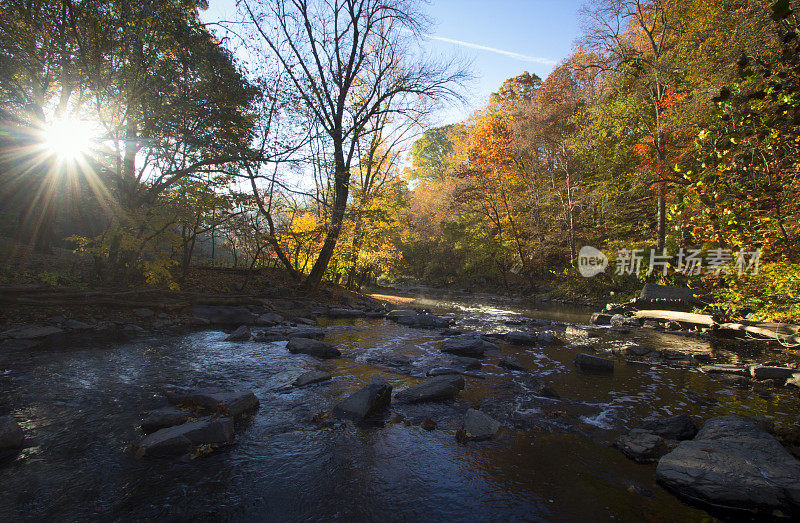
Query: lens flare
[69,139]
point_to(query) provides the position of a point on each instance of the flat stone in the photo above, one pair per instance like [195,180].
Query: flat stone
[727,369]
[75,325]
[576,331]
[680,427]
[732,462]
[762,372]
[163,418]
[642,446]
[143,313]
[11,436]
[520,338]
[512,363]
[469,363]
[181,438]
[269,318]
[33,332]
[366,402]
[426,321]
[587,362]
[312,376]
[546,338]
[479,426]
[638,350]
[316,348]
[240,334]
[280,333]
[470,346]
[435,389]
[230,403]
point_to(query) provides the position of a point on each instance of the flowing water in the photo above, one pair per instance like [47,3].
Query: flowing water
[80,407]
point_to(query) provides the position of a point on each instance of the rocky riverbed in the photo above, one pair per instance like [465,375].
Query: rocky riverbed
[487,410]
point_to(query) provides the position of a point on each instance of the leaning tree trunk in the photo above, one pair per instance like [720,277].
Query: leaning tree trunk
[341,186]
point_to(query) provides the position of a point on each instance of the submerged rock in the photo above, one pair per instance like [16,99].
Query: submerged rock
[312,376]
[280,333]
[163,418]
[680,427]
[587,362]
[643,446]
[316,348]
[240,334]
[512,363]
[366,402]
[11,436]
[479,426]
[435,389]
[735,463]
[181,438]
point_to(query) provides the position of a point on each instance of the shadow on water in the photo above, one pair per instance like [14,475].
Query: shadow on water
[80,409]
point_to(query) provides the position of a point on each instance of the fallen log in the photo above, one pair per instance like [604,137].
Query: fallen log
[683,317]
[785,333]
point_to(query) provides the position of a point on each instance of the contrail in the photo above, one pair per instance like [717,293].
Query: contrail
[518,56]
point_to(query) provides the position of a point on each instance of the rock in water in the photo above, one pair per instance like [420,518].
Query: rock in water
[680,427]
[223,315]
[426,321]
[269,318]
[642,446]
[479,426]
[312,347]
[435,389]
[240,334]
[546,338]
[312,376]
[163,418]
[520,338]
[230,403]
[11,436]
[600,318]
[470,346]
[512,363]
[181,438]
[735,463]
[587,362]
[366,402]
[763,372]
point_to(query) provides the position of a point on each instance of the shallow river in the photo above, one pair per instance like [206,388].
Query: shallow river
[80,407]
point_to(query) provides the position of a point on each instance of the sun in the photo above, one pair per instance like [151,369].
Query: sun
[68,138]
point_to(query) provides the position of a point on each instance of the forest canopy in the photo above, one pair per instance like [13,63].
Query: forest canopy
[298,136]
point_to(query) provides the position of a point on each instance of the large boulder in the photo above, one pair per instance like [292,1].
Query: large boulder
[467,345]
[366,401]
[11,436]
[316,348]
[479,426]
[643,446]
[622,321]
[435,389]
[600,318]
[223,315]
[163,418]
[546,338]
[680,427]
[733,462]
[312,376]
[181,438]
[214,399]
[587,362]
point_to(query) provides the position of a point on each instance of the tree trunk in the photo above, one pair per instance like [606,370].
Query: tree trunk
[341,188]
[662,216]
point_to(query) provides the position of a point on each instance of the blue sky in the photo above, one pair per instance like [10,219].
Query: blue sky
[523,35]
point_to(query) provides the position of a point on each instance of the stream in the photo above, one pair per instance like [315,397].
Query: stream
[80,408]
